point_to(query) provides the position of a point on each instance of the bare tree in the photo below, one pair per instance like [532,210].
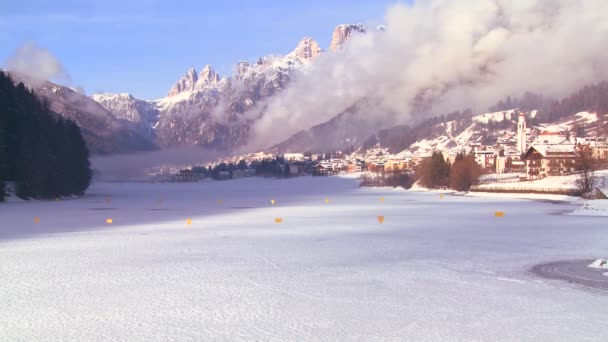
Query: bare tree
[585,164]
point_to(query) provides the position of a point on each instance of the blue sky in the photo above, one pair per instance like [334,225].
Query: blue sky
[143,47]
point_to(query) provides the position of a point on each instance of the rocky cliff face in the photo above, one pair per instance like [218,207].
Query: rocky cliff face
[307,50]
[142,115]
[206,110]
[192,81]
[342,34]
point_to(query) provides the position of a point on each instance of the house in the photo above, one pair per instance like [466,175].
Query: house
[293,156]
[517,166]
[450,157]
[419,156]
[294,170]
[375,167]
[599,146]
[352,167]
[198,170]
[485,158]
[223,175]
[510,162]
[187,176]
[236,174]
[397,164]
[322,170]
[549,160]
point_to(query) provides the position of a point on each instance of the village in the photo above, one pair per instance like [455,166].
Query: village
[522,155]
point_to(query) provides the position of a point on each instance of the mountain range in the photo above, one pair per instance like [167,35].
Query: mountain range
[201,109]
[206,109]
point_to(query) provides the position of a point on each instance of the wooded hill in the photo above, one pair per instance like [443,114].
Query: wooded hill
[43,153]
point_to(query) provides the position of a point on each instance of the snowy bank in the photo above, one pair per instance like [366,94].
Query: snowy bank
[561,185]
[592,208]
[530,196]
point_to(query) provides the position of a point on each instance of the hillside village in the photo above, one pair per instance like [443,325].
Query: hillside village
[522,153]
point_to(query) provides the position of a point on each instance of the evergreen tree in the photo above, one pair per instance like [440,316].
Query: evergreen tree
[433,172]
[81,171]
[3,155]
[464,173]
[44,154]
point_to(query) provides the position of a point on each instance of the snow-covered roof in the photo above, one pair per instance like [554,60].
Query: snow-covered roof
[545,149]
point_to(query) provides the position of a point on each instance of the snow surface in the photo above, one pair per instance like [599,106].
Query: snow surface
[593,208]
[531,196]
[495,116]
[586,117]
[551,182]
[437,269]
[600,263]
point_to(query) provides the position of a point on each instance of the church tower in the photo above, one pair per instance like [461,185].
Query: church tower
[521,134]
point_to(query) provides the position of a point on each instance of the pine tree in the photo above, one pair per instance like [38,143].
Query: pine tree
[464,173]
[81,172]
[433,172]
[44,154]
[3,150]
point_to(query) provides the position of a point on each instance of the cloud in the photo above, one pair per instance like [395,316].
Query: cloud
[447,55]
[137,166]
[37,63]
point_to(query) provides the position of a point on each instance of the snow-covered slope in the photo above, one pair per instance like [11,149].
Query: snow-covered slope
[103,130]
[143,114]
[459,134]
[434,270]
[499,127]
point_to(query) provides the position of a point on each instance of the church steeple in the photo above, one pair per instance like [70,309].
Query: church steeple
[521,133]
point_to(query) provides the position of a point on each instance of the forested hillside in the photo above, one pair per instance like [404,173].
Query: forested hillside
[41,152]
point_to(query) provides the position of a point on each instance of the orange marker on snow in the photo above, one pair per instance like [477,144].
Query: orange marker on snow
[109,221]
[278,220]
[380,219]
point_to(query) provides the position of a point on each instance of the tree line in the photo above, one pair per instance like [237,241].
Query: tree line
[436,172]
[276,167]
[41,152]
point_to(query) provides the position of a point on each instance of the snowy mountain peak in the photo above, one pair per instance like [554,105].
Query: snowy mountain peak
[342,33]
[241,69]
[208,76]
[101,97]
[306,50]
[126,107]
[186,83]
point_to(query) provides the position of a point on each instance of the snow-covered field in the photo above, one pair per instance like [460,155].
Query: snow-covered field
[593,208]
[439,268]
[552,182]
[555,183]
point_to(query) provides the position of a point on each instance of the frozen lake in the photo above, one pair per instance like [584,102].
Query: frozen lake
[437,268]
